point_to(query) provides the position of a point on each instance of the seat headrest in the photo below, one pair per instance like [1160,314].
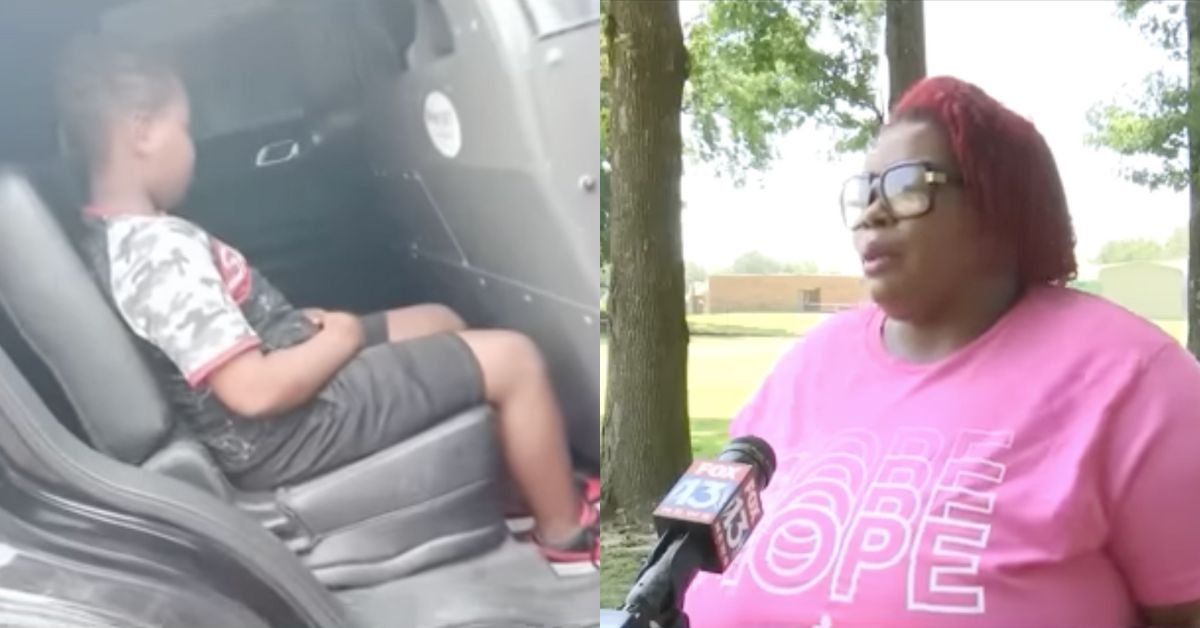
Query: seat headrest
[54,301]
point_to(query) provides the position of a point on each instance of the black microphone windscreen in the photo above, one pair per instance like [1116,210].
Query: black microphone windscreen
[753,451]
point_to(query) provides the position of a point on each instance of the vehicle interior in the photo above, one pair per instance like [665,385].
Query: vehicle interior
[364,154]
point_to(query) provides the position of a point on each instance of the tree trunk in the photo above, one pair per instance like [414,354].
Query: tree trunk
[1192,12]
[904,33]
[646,440]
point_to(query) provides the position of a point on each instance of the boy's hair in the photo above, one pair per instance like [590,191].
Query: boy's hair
[1008,172]
[98,82]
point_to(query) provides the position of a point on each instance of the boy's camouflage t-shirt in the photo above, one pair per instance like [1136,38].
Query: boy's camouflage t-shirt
[196,304]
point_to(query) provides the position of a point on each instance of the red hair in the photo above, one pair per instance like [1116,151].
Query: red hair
[1008,171]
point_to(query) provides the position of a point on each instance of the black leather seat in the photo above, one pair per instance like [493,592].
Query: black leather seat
[389,515]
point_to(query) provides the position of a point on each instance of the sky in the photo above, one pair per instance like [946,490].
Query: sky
[1049,61]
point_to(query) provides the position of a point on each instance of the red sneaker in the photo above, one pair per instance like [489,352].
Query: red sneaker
[590,487]
[582,557]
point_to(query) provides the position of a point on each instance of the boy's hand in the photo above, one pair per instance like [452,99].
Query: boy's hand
[316,315]
[262,385]
[345,324]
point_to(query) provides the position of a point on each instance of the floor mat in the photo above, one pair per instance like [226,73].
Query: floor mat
[510,586]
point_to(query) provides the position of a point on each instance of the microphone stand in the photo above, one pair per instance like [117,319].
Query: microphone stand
[656,599]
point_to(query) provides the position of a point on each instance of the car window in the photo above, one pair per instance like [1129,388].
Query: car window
[384,31]
[234,55]
[554,16]
[241,76]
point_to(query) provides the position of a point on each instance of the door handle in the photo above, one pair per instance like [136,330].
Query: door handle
[277,153]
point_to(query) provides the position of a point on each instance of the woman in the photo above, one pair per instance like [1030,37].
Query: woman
[981,446]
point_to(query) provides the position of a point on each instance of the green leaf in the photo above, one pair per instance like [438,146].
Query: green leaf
[1130,251]
[1154,125]
[762,69]
[1162,21]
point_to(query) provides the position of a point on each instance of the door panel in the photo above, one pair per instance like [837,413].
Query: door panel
[482,158]
[500,193]
[48,580]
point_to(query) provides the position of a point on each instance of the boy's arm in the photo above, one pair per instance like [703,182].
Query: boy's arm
[170,292]
[255,385]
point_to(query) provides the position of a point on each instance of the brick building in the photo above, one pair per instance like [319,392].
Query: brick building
[783,293]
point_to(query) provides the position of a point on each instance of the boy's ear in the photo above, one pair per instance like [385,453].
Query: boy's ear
[140,129]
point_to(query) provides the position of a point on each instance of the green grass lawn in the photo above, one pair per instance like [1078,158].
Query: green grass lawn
[754,324]
[776,324]
[722,374]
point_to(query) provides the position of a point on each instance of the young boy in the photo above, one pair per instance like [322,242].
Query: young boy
[277,394]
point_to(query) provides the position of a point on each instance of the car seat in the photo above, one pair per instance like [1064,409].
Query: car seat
[429,500]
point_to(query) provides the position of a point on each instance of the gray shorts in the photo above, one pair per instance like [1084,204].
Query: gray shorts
[384,395]
[374,329]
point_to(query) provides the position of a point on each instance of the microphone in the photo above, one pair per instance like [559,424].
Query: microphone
[702,524]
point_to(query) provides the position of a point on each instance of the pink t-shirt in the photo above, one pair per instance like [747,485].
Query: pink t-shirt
[1048,474]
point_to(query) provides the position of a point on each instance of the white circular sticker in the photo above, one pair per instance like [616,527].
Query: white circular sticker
[441,122]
